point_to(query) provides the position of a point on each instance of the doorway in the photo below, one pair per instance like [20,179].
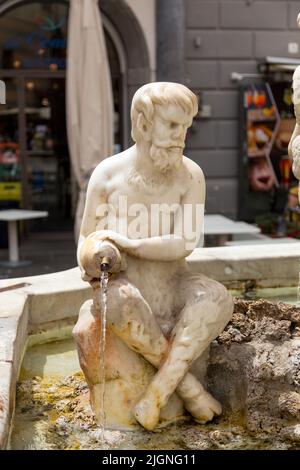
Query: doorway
[35,166]
[35,171]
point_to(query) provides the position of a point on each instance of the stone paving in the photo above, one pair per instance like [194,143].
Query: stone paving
[49,252]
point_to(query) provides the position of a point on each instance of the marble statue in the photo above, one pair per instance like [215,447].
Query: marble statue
[156,308]
[294,145]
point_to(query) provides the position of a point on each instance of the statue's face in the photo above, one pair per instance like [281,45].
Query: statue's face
[169,127]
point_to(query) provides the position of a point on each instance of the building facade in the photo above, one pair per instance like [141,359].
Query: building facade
[212,39]
[35,167]
[196,42]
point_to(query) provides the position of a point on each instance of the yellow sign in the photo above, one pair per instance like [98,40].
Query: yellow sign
[10,191]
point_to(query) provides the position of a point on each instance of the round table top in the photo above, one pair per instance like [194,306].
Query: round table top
[20,214]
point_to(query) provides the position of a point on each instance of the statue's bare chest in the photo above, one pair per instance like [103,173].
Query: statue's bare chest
[133,196]
[142,213]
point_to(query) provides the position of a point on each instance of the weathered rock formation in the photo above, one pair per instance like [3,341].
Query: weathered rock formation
[254,368]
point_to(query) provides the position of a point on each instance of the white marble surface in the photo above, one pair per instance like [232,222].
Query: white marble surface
[215,224]
[263,241]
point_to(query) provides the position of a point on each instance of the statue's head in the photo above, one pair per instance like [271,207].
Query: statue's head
[161,113]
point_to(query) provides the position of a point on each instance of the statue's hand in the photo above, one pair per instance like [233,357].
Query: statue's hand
[119,240]
[98,254]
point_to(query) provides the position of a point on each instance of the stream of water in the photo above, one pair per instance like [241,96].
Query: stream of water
[103,310]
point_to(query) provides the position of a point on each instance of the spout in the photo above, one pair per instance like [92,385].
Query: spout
[105,263]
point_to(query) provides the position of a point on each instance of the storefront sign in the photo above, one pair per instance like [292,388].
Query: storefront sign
[40,39]
[48,23]
[40,44]
[10,191]
[36,40]
[2,92]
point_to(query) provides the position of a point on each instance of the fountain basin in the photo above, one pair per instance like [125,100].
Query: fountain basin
[46,307]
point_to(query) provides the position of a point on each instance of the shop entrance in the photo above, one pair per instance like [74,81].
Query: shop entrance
[35,167]
[34,161]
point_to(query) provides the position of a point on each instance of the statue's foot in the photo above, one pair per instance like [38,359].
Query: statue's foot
[203,407]
[147,412]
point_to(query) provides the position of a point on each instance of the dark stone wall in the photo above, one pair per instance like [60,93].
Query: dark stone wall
[170,28]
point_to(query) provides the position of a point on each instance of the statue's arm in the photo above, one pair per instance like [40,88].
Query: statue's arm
[95,196]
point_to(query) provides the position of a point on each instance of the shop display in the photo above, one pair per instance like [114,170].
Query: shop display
[266,177]
[10,172]
[34,115]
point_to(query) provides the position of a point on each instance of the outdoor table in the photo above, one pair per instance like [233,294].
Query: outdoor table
[12,217]
[263,241]
[223,228]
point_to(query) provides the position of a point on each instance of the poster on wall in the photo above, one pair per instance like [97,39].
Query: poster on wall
[269,194]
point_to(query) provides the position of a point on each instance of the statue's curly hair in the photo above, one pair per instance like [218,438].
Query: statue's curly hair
[160,93]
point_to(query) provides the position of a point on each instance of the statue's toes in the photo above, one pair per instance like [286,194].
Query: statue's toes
[146,412]
[204,408]
[204,417]
[215,406]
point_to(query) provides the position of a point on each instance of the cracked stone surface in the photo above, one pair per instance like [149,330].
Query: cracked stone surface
[254,367]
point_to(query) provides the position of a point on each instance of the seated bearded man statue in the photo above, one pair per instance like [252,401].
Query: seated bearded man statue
[155,305]
[294,145]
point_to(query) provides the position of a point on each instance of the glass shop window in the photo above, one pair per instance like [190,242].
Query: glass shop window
[34,36]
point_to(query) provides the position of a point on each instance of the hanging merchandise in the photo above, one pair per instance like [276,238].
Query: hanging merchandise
[265,168]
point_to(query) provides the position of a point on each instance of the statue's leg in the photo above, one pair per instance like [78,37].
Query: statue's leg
[129,317]
[87,335]
[207,309]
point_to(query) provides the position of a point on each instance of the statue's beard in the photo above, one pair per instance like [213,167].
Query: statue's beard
[166,162]
[166,159]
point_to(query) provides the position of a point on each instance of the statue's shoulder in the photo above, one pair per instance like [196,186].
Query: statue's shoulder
[110,166]
[193,169]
